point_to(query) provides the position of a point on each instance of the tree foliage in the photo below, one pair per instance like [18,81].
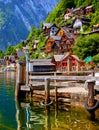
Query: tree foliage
[10,50]
[59,10]
[34,33]
[87,45]
[2,54]
[96,58]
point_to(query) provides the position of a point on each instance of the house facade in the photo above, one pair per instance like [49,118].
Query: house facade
[41,65]
[9,59]
[95,27]
[2,63]
[49,29]
[79,11]
[67,63]
[34,44]
[89,10]
[10,62]
[53,44]
[77,25]
[68,14]
[68,39]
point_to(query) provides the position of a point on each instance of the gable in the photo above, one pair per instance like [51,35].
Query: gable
[57,57]
[47,25]
[72,57]
[89,9]
[66,33]
[77,23]
[53,30]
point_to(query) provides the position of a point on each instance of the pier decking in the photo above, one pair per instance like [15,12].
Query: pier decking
[57,86]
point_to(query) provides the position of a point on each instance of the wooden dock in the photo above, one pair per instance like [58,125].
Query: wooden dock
[46,80]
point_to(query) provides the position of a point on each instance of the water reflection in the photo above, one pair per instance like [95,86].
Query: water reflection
[28,115]
[31,117]
[10,75]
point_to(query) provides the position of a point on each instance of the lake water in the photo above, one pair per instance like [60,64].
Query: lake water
[28,115]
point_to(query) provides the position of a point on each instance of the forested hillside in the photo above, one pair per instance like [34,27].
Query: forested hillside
[57,17]
[56,14]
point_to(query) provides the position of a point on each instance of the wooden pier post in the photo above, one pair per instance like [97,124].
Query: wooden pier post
[55,94]
[47,90]
[91,93]
[55,90]
[20,76]
[47,119]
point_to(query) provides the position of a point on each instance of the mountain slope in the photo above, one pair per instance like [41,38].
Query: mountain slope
[17,17]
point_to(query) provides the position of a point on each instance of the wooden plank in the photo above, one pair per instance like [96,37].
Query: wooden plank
[36,83]
[25,105]
[96,87]
[64,77]
[47,91]
[68,72]
[58,84]
[24,88]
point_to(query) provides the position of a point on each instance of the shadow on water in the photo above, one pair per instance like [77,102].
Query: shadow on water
[94,116]
[93,122]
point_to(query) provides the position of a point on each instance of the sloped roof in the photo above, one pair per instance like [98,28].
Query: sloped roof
[76,9]
[36,41]
[62,57]
[57,38]
[66,30]
[12,57]
[71,10]
[48,25]
[77,22]
[2,62]
[74,56]
[58,57]
[41,62]
[96,25]
[90,6]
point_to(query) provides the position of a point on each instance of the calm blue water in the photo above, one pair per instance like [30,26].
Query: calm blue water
[28,115]
[7,103]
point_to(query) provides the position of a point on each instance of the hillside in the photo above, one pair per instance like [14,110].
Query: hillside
[57,13]
[17,17]
[57,17]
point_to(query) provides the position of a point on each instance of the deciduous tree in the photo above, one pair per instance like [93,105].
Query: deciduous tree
[87,46]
